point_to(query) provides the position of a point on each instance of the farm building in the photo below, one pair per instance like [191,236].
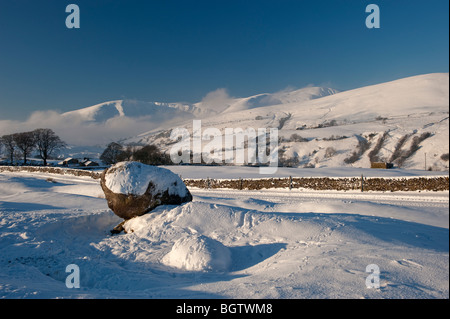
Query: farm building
[381,165]
[69,162]
[90,164]
[73,162]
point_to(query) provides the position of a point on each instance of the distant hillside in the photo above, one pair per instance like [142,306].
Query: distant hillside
[152,111]
[403,121]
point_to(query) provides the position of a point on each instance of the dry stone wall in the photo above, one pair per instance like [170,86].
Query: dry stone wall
[52,170]
[440,183]
[386,184]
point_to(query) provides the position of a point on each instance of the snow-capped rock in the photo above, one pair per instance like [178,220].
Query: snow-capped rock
[133,189]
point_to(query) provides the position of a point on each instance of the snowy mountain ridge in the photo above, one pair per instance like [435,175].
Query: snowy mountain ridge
[402,121]
[138,109]
[105,111]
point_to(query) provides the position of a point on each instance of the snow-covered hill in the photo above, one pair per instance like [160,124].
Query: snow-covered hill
[404,121]
[117,119]
[152,111]
[268,99]
[160,112]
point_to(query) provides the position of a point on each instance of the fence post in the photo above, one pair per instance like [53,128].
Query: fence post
[362,183]
[290,182]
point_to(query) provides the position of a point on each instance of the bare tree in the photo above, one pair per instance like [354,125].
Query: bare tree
[373,154]
[10,146]
[112,153]
[415,146]
[151,155]
[127,153]
[329,152]
[47,142]
[25,142]
[297,138]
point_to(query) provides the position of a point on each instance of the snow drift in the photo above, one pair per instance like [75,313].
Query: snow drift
[198,253]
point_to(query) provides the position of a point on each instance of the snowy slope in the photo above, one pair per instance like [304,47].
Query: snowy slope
[262,244]
[99,112]
[405,108]
[283,97]
[153,111]
[98,125]
[105,111]
[318,126]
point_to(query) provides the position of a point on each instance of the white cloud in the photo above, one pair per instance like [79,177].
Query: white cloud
[73,130]
[216,101]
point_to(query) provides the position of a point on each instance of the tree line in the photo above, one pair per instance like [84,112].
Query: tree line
[148,154]
[43,140]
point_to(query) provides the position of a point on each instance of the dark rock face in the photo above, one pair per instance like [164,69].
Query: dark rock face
[165,189]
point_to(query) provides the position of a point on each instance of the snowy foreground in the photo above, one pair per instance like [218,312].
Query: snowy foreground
[224,244]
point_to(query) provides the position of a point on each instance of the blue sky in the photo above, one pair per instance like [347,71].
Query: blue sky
[171,50]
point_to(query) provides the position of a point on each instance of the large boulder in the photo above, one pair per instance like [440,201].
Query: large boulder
[134,189]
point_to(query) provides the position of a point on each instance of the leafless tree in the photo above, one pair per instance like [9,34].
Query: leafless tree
[47,142]
[112,153]
[25,142]
[10,146]
[373,154]
[151,155]
[329,152]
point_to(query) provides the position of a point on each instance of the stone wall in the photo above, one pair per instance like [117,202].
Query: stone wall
[440,183]
[51,170]
[386,184]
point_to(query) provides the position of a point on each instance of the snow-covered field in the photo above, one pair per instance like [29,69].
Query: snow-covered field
[225,244]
